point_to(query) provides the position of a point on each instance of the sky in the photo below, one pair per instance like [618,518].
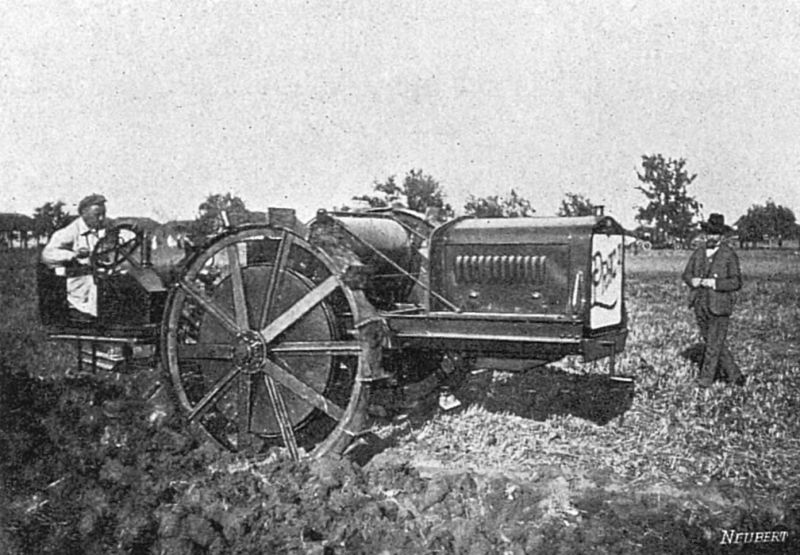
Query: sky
[158,104]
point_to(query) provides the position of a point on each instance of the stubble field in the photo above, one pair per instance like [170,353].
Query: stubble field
[559,459]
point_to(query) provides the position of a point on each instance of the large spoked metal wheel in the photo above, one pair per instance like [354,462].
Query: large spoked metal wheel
[261,345]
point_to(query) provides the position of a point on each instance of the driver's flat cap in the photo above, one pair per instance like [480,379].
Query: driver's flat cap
[90,200]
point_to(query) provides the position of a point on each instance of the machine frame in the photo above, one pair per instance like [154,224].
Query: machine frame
[272,334]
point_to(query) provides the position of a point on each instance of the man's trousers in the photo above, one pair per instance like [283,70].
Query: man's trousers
[714,330]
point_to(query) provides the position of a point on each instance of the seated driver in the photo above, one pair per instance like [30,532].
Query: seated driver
[68,252]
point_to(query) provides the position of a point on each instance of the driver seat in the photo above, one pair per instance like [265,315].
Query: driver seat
[52,289]
[54,310]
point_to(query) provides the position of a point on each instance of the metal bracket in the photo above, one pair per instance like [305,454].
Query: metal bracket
[373,335]
[612,359]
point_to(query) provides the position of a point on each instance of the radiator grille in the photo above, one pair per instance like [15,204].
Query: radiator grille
[470,268]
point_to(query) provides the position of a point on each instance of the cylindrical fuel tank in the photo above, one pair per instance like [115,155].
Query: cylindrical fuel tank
[387,246]
[378,232]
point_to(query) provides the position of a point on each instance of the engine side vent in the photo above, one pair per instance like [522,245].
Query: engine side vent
[471,268]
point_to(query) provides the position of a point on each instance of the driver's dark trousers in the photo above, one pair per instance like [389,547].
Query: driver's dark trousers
[717,358]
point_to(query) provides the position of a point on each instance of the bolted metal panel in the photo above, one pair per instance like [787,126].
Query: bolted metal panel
[533,266]
[509,279]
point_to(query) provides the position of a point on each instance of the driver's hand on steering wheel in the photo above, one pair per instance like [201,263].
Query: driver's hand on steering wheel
[83,253]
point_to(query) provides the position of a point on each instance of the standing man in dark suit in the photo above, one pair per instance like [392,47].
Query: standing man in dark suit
[714,276]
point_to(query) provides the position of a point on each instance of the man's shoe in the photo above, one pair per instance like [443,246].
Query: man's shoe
[704,384]
[741,380]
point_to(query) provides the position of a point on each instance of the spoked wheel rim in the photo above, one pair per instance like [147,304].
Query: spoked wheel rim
[260,345]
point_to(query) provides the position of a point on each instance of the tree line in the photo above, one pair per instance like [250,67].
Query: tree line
[423,194]
[668,215]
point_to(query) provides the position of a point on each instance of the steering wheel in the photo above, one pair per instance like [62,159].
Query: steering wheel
[114,248]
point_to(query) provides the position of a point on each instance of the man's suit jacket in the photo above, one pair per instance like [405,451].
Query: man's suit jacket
[724,267]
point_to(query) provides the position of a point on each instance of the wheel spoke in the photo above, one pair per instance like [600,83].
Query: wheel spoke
[245,411]
[127,249]
[278,371]
[129,258]
[282,416]
[214,393]
[281,259]
[317,348]
[297,310]
[239,301]
[210,306]
[205,351]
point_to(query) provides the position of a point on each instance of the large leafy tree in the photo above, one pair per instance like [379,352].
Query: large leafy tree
[494,206]
[670,209]
[418,192]
[50,217]
[575,204]
[767,220]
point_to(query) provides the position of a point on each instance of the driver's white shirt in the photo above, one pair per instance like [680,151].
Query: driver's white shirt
[61,248]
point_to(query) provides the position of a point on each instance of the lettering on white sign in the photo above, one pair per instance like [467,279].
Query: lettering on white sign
[605,308]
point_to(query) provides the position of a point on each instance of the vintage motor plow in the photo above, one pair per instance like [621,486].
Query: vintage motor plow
[274,334]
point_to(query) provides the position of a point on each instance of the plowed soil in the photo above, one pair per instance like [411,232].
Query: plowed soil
[89,468]
[527,464]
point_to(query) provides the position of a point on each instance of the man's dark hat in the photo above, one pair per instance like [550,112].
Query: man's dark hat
[90,200]
[716,225]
